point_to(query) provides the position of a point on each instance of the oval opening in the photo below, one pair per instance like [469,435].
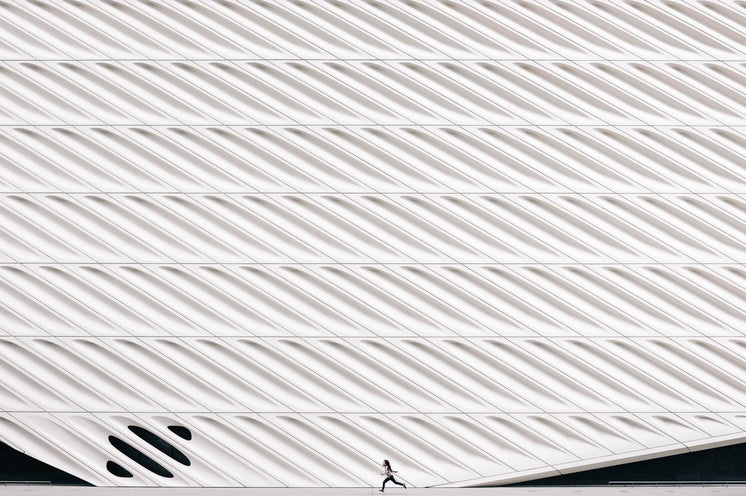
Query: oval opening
[118,470]
[160,444]
[180,431]
[139,457]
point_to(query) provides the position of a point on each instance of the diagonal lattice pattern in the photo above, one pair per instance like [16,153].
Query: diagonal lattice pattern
[490,241]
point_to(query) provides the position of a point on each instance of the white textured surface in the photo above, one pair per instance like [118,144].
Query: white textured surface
[502,491]
[512,491]
[489,241]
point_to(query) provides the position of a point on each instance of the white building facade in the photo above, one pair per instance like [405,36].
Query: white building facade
[255,243]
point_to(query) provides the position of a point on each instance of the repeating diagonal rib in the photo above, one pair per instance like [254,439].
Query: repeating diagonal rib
[490,241]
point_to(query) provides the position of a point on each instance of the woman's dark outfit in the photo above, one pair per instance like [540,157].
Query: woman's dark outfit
[390,477]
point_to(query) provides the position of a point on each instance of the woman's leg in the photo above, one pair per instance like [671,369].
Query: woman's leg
[390,477]
[396,481]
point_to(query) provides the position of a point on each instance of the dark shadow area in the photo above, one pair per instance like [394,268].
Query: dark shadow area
[16,466]
[139,457]
[117,469]
[180,431]
[160,444]
[727,463]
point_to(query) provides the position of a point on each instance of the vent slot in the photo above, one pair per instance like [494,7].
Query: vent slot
[117,469]
[181,431]
[139,457]
[160,444]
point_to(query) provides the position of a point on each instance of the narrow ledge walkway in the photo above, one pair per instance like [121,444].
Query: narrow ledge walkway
[498,491]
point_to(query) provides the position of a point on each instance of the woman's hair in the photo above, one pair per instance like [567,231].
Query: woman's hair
[386,462]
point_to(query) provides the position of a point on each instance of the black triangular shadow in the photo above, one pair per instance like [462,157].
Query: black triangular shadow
[724,464]
[16,467]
